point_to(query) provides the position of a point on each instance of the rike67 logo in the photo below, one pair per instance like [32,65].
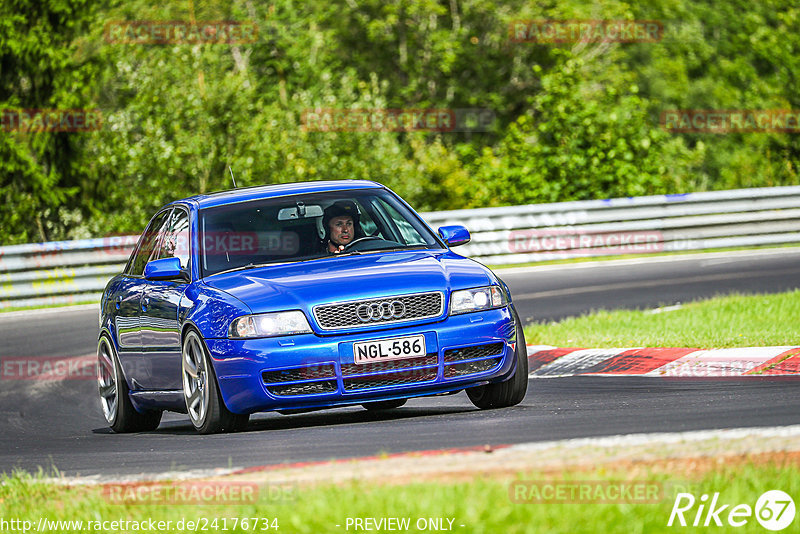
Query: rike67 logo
[774,510]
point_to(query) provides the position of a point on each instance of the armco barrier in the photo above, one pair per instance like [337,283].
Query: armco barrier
[77,271]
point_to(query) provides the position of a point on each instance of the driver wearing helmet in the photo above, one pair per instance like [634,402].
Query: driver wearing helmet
[341,224]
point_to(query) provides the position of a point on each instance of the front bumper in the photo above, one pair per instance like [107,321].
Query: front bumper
[313,371]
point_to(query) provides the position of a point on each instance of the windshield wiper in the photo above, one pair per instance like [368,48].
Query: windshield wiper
[248,266]
[240,268]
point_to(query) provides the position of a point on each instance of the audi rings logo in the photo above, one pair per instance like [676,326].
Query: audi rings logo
[381,311]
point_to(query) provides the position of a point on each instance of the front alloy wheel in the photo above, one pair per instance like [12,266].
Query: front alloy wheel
[204,403]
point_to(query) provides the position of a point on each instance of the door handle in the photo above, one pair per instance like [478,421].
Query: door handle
[145,303]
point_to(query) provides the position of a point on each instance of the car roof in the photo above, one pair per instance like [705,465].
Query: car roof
[268,191]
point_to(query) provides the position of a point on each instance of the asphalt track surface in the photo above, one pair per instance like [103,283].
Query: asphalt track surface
[59,424]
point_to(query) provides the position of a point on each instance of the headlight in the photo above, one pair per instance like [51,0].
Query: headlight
[480,298]
[269,325]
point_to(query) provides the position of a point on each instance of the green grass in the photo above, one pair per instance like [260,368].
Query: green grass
[731,321]
[481,504]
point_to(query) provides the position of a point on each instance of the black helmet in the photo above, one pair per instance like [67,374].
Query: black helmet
[340,208]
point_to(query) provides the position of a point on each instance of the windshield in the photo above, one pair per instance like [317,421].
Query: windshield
[307,227]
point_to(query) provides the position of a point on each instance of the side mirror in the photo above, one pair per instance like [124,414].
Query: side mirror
[164,269]
[454,235]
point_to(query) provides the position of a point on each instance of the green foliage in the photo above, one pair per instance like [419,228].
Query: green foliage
[580,140]
[574,121]
[38,69]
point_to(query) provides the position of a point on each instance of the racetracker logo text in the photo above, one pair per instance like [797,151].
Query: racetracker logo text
[50,120]
[398,120]
[49,368]
[180,32]
[196,492]
[585,491]
[580,242]
[720,121]
[585,31]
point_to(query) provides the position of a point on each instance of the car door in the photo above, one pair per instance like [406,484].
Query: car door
[160,306]
[127,300]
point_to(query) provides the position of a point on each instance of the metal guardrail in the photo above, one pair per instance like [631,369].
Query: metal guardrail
[662,223]
[77,271]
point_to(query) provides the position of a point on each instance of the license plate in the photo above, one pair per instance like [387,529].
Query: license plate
[396,348]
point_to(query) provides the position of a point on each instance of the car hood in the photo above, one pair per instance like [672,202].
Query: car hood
[306,284]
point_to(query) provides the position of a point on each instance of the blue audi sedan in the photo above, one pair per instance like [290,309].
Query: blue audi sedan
[299,297]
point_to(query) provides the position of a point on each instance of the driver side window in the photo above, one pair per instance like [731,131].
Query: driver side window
[148,244]
[176,241]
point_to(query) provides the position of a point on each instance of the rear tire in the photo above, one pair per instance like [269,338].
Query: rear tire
[204,404]
[117,407]
[383,405]
[512,391]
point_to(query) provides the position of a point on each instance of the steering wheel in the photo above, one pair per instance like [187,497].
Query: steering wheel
[365,238]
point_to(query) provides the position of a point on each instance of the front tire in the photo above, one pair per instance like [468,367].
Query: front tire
[512,391]
[117,407]
[204,403]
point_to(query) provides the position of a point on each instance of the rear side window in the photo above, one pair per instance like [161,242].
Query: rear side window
[148,243]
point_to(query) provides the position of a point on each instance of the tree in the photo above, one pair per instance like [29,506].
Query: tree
[41,67]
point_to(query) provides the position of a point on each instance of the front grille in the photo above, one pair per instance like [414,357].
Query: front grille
[299,373]
[303,388]
[471,368]
[472,353]
[349,369]
[345,314]
[309,380]
[390,379]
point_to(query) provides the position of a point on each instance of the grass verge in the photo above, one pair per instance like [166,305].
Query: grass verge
[722,322]
[482,504]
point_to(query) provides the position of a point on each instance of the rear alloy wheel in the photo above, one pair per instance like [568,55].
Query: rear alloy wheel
[114,400]
[204,403]
[384,405]
[512,391]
